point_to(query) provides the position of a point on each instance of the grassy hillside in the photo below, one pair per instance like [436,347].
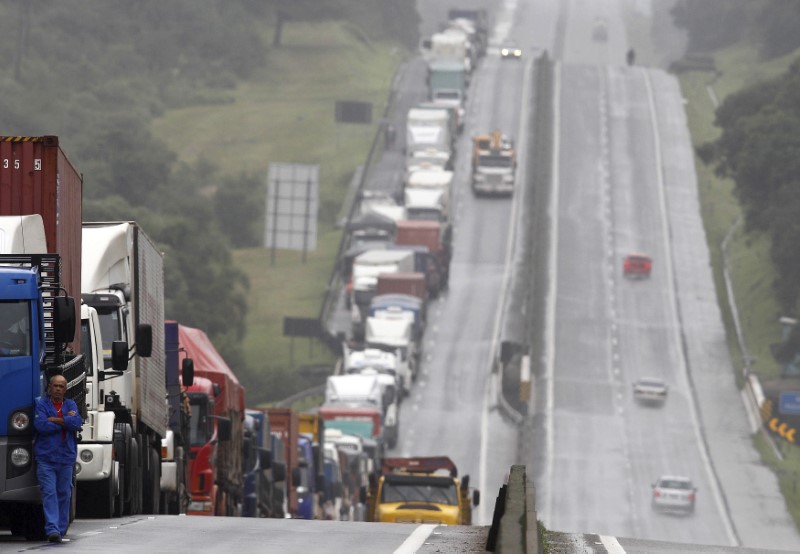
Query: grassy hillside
[285,113]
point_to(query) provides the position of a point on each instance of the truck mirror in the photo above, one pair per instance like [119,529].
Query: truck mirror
[362,495]
[223,428]
[64,318]
[465,482]
[278,472]
[144,340]
[217,390]
[119,355]
[264,458]
[187,372]
[476,497]
[296,476]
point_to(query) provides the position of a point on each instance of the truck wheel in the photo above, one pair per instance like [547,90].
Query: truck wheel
[133,501]
[151,488]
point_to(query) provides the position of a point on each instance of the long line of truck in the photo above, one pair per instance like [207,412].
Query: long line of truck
[166,425]
[167,428]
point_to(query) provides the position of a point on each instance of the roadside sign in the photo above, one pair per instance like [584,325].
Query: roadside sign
[789,403]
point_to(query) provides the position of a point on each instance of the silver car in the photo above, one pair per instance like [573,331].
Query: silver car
[650,390]
[672,492]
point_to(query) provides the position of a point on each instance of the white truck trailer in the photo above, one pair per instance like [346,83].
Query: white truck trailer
[123,279]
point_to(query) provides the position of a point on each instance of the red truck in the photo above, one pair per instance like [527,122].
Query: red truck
[284,426]
[434,235]
[222,496]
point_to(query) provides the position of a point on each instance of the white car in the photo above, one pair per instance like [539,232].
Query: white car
[650,390]
[672,492]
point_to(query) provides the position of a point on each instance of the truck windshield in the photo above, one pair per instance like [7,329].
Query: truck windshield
[495,161]
[110,329]
[359,428]
[200,425]
[424,214]
[420,489]
[15,328]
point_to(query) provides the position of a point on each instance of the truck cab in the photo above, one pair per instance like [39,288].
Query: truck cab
[421,490]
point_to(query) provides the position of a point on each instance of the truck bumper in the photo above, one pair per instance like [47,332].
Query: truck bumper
[99,464]
[169,476]
[495,189]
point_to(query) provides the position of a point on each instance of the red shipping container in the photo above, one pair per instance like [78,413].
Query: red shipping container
[413,284]
[36,177]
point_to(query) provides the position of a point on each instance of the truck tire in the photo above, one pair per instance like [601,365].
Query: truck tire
[151,486]
[122,446]
[133,501]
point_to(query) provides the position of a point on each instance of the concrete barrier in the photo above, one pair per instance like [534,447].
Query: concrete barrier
[514,528]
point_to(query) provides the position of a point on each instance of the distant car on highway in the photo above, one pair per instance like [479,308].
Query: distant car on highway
[637,265]
[510,52]
[600,30]
[650,390]
[675,493]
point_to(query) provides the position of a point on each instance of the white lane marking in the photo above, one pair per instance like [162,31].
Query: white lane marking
[701,444]
[611,545]
[552,290]
[416,539]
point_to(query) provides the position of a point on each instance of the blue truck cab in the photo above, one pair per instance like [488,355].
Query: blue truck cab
[35,326]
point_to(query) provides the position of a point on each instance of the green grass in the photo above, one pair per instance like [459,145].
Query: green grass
[285,113]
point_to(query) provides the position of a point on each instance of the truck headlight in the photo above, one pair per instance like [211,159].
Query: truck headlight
[86,456]
[20,457]
[20,421]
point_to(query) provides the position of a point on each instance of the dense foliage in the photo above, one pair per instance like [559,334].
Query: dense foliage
[758,149]
[97,72]
[715,24]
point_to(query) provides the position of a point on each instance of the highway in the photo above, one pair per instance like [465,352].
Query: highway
[622,180]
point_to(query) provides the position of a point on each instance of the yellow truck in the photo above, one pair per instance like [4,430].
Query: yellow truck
[494,164]
[421,490]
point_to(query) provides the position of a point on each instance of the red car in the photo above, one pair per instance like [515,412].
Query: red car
[637,265]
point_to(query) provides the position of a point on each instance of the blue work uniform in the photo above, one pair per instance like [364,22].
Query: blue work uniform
[55,450]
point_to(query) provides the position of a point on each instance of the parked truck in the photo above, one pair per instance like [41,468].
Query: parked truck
[207,436]
[480,20]
[447,83]
[222,490]
[123,279]
[100,495]
[284,426]
[176,446]
[431,234]
[428,129]
[421,490]
[39,281]
[366,268]
[257,466]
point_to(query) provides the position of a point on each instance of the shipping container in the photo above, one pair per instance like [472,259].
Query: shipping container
[36,177]
[403,283]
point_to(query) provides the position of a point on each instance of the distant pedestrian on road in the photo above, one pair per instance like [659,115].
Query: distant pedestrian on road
[631,57]
[57,423]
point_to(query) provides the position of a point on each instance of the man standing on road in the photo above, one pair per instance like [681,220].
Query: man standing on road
[57,423]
